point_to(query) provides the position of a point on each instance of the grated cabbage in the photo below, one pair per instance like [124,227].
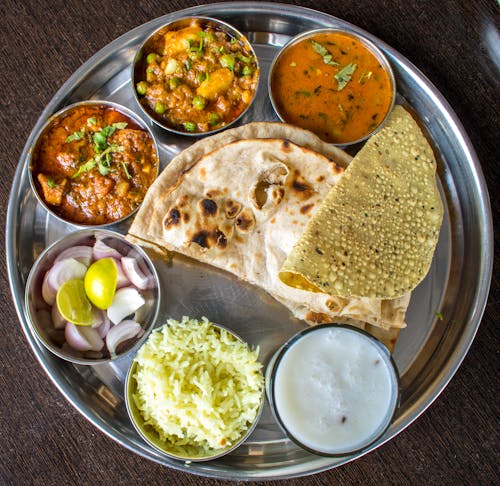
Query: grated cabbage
[197,384]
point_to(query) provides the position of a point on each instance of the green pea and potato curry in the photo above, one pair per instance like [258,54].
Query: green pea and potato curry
[196,78]
[93,165]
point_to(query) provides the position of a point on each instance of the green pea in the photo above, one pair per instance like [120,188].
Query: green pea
[174,82]
[190,126]
[199,102]
[141,87]
[200,77]
[151,57]
[227,61]
[247,71]
[213,119]
[244,59]
[159,108]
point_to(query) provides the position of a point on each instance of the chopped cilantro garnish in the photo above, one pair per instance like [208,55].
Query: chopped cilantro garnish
[92,120]
[75,136]
[51,183]
[126,171]
[439,316]
[324,53]
[198,48]
[365,77]
[89,165]
[102,159]
[345,75]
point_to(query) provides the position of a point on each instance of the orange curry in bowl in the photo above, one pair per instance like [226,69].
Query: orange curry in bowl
[334,84]
[92,164]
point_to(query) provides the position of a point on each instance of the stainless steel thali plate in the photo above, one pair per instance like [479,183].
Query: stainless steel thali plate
[428,352]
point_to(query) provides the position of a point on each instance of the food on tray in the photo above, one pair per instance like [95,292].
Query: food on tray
[333,84]
[375,234]
[93,165]
[94,295]
[198,386]
[334,389]
[240,201]
[196,76]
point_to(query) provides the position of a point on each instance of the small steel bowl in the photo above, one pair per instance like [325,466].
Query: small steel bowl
[38,312]
[134,120]
[139,69]
[385,357]
[188,453]
[370,46]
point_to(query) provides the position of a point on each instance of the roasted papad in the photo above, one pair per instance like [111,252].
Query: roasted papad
[375,234]
[240,200]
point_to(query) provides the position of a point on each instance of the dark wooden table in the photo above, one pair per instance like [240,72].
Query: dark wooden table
[45,441]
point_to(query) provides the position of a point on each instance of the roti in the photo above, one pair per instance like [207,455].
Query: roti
[241,204]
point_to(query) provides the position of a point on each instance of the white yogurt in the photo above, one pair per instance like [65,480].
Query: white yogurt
[334,389]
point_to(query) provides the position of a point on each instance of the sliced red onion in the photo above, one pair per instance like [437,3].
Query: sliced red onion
[103,328]
[83,338]
[58,321]
[57,337]
[70,351]
[93,354]
[135,274]
[101,250]
[81,253]
[125,302]
[120,333]
[143,266]
[123,280]
[44,319]
[61,272]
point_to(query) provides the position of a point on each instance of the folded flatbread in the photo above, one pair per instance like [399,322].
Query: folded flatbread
[240,201]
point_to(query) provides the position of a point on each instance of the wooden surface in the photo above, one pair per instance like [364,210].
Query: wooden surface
[45,441]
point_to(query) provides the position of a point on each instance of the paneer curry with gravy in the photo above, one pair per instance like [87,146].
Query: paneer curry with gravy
[195,76]
[93,165]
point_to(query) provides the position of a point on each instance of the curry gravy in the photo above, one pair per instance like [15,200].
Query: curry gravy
[93,165]
[331,84]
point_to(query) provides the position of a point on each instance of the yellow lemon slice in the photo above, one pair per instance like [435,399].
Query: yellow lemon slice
[73,303]
[100,282]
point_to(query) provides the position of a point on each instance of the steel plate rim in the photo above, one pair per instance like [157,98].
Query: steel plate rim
[486,265]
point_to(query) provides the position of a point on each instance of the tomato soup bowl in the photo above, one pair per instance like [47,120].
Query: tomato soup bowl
[335,83]
[195,76]
[50,329]
[92,163]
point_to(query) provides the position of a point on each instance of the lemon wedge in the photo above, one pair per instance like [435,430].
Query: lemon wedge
[73,304]
[100,282]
